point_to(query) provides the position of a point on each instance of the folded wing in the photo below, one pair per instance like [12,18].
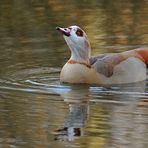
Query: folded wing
[105,63]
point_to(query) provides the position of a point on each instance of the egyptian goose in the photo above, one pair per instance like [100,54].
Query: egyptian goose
[114,68]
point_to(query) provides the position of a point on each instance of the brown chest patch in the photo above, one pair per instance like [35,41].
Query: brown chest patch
[76,62]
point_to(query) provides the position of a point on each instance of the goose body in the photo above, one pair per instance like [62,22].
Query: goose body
[113,68]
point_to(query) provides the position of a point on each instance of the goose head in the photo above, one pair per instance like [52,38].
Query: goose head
[78,43]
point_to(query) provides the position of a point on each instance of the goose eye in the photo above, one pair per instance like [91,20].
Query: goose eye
[79,32]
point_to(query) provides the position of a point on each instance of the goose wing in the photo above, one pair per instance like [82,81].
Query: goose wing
[105,63]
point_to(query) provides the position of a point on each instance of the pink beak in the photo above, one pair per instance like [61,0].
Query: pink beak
[64,31]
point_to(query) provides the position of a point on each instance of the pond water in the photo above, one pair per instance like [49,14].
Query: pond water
[36,111]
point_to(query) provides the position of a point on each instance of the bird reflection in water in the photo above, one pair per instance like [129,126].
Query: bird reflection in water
[76,118]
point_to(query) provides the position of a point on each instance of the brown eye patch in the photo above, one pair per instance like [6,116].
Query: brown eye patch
[79,32]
